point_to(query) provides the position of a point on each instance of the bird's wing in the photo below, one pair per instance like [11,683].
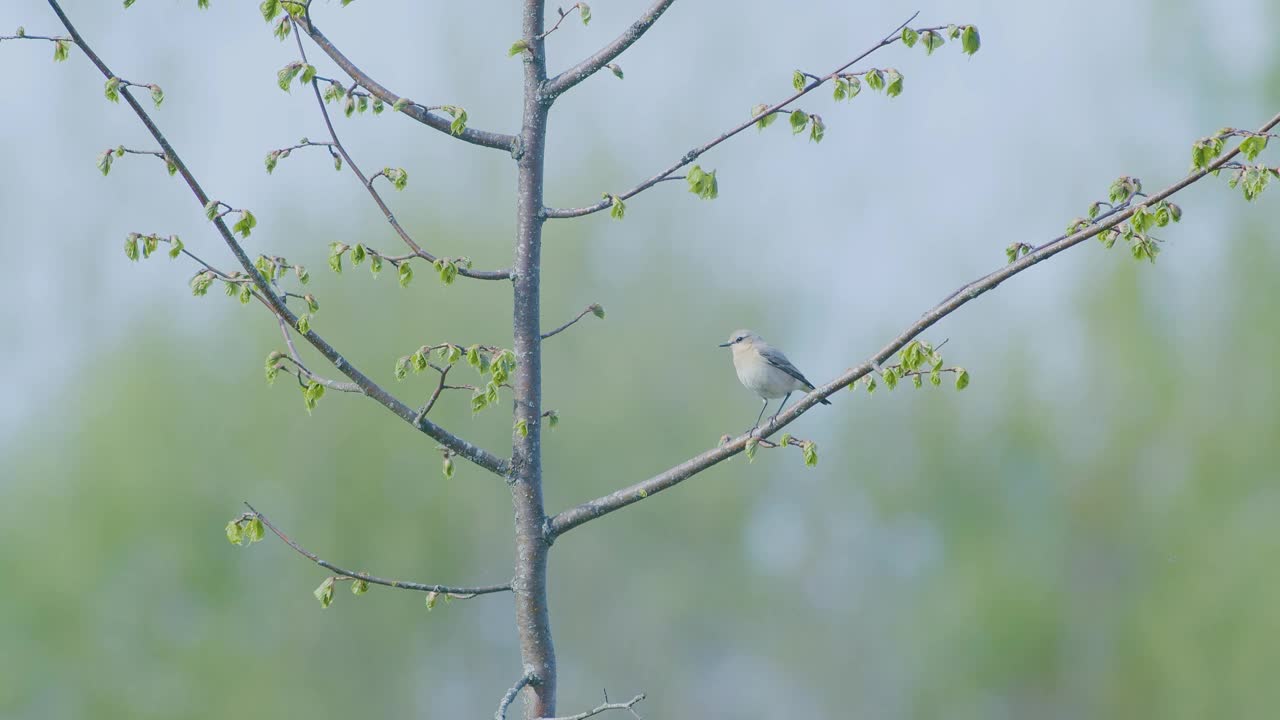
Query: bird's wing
[775,358]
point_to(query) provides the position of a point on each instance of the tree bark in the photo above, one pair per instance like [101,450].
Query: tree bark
[537,653]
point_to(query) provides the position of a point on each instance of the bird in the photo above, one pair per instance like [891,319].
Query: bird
[764,370]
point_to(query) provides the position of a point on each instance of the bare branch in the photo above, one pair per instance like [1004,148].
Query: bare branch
[511,694]
[575,516]
[695,153]
[444,372]
[275,302]
[461,593]
[420,113]
[604,707]
[585,69]
[377,197]
[592,308]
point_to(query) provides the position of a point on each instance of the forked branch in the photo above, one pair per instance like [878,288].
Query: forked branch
[590,66]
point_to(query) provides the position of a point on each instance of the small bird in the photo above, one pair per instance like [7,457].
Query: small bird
[765,371]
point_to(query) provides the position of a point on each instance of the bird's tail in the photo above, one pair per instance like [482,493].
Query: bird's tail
[824,401]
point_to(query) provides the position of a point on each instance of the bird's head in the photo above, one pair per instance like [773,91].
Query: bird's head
[742,339]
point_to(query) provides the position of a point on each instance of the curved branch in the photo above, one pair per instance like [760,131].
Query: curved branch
[475,454]
[458,592]
[590,510]
[377,197]
[585,69]
[592,308]
[698,151]
[498,141]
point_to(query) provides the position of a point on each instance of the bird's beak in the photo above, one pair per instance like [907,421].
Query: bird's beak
[724,344]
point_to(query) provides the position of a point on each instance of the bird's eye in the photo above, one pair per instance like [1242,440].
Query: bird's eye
[740,338]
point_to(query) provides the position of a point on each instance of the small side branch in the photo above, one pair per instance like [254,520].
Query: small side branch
[367,182]
[696,152]
[510,696]
[605,706]
[590,66]
[498,141]
[592,308]
[461,593]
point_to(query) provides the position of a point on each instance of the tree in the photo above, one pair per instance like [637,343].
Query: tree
[1127,214]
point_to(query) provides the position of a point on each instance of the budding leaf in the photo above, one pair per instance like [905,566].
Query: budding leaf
[324,593]
[893,78]
[517,47]
[1252,146]
[750,449]
[447,468]
[932,41]
[798,121]
[764,121]
[311,395]
[875,79]
[522,427]
[817,129]
[245,224]
[969,40]
[234,532]
[405,274]
[175,246]
[157,95]
[584,11]
[615,69]
[131,246]
[810,451]
[702,183]
[797,80]
[962,379]
[909,37]
[598,310]
[286,74]
[105,160]
[256,531]
[61,50]
[359,587]
[112,89]
[269,8]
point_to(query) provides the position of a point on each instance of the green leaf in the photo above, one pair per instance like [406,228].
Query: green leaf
[157,95]
[553,420]
[431,600]
[175,246]
[304,324]
[598,310]
[517,47]
[617,208]
[311,395]
[584,11]
[312,304]
[810,451]
[764,121]
[799,119]
[401,103]
[893,80]
[375,265]
[962,378]
[149,244]
[890,378]
[840,89]
[932,41]
[272,158]
[969,40]
[459,119]
[875,79]
[871,384]
[362,103]
[447,468]
[405,274]
[349,106]
[785,440]
[61,50]
[419,361]
[256,531]
[378,106]
[615,69]
[245,224]
[235,534]
[112,89]
[359,586]
[909,37]
[286,74]
[398,177]
[168,165]
[283,28]
[131,246]
[201,282]
[202,4]
[1253,146]
[308,74]
[750,449]
[324,593]
[358,254]
[104,161]
[269,8]
[402,367]
[817,129]
[522,427]
[797,80]
[702,183]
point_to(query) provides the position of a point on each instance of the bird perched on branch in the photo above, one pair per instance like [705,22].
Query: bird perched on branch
[764,370]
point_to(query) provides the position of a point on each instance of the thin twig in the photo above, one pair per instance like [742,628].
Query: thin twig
[557,85]
[698,151]
[461,593]
[590,308]
[275,302]
[604,707]
[592,509]
[444,371]
[367,182]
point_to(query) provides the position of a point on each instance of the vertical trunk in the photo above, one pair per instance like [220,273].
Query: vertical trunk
[536,650]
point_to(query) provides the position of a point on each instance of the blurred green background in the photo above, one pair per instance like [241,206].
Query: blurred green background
[1088,531]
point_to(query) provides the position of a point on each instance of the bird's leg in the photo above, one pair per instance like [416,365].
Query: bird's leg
[763,407]
[784,404]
